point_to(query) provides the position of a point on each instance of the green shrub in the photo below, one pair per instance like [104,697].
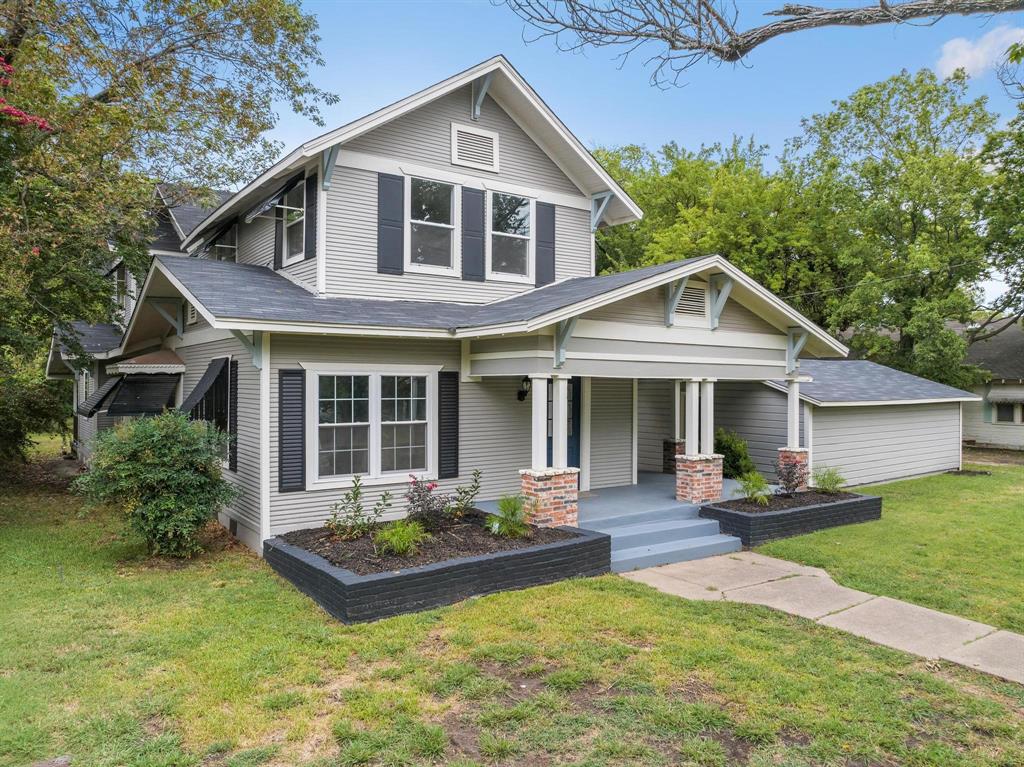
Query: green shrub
[510,521]
[401,538]
[828,479]
[349,520]
[755,488]
[165,472]
[735,455]
[465,496]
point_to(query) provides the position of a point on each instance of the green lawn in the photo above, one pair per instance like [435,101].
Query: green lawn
[118,659]
[953,543]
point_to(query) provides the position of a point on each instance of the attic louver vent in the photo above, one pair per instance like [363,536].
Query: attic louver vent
[692,301]
[474,148]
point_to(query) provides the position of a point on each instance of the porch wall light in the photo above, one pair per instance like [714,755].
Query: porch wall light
[524,389]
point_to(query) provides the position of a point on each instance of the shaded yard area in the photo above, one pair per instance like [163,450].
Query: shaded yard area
[950,542]
[119,659]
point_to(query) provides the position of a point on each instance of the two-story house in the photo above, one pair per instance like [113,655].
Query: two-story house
[415,293]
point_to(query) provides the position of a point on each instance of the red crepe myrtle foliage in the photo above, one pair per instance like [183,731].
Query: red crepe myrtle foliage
[19,117]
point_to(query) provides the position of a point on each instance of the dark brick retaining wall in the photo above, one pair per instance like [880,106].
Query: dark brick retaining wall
[757,528]
[354,598]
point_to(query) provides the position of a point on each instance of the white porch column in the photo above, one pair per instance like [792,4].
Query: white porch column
[677,410]
[793,414]
[539,422]
[559,422]
[707,417]
[692,416]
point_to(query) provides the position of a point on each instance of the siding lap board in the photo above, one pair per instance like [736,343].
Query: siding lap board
[611,432]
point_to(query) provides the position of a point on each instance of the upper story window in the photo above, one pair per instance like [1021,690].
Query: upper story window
[121,286]
[510,245]
[293,207]
[432,215]
[225,247]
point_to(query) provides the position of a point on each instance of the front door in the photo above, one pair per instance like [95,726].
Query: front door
[574,397]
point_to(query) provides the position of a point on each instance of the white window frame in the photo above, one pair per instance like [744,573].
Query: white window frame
[455,227]
[219,249]
[1017,418]
[531,253]
[374,476]
[472,129]
[287,260]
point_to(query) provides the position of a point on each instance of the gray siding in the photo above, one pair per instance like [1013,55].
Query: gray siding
[304,271]
[246,506]
[256,242]
[424,137]
[873,444]
[572,243]
[494,427]
[653,422]
[983,431]
[758,414]
[86,426]
[611,432]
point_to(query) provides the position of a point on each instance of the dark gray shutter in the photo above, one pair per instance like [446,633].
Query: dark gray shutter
[448,424]
[545,243]
[278,238]
[205,382]
[291,430]
[144,394]
[233,415]
[390,224]
[473,234]
[88,407]
[309,247]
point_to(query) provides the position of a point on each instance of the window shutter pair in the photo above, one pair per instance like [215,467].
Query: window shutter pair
[291,426]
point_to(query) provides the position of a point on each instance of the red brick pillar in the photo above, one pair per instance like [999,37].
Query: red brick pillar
[796,455]
[551,496]
[698,477]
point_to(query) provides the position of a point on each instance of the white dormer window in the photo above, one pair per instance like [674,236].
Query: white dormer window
[431,216]
[294,212]
[474,147]
[510,243]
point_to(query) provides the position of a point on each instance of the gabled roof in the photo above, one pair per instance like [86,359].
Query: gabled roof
[1002,354]
[861,382]
[511,92]
[185,217]
[95,339]
[243,296]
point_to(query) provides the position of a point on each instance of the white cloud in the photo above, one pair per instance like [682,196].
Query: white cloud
[977,56]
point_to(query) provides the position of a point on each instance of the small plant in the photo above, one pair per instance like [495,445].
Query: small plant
[401,538]
[510,521]
[465,495]
[829,480]
[349,520]
[423,505]
[736,459]
[755,488]
[792,476]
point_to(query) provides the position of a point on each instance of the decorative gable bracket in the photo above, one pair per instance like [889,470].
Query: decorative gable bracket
[479,89]
[795,340]
[673,292]
[563,332]
[254,346]
[327,160]
[177,320]
[599,203]
[719,287]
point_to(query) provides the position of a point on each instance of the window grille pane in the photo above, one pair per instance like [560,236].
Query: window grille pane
[510,214]
[431,245]
[431,201]
[295,237]
[344,450]
[509,255]
[327,387]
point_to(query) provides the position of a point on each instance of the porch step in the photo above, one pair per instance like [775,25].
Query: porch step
[674,512]
[669,552]
[630,536]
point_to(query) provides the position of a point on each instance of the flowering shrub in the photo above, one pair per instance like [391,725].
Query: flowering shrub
[421,502]
[791,476]
[348,518]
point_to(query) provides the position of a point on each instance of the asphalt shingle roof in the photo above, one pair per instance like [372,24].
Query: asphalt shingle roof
[95,338]
[843,380]
[1002,354]
[188,217]
[245,291]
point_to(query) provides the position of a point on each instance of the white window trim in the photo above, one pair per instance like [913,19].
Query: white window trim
[287,260]
[1018,414]
[472,129]
[456,229]
[374,476]
[531,253]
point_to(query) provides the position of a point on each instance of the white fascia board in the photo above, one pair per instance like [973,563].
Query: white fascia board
[228,323]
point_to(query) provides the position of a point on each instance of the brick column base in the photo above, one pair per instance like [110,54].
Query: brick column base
[551,496]
[796,455]
[668,455]
[698,477]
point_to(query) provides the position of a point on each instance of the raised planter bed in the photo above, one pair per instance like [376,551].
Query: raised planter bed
[756,527]
[353,598]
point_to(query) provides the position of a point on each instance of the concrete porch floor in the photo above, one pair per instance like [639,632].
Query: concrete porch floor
[653,491]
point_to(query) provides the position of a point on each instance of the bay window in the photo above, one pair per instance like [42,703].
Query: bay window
[510,246]
[432,210]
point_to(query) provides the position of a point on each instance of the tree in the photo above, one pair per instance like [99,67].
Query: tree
[911,243]
[685,32]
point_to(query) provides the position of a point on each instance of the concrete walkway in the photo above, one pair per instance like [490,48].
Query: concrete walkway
[811,593]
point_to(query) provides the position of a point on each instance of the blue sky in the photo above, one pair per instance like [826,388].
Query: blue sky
[378,52]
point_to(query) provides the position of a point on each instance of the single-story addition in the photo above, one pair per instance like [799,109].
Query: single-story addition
[996,419]
[415,293]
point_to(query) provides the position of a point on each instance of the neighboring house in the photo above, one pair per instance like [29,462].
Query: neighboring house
[997,420]
[414,293]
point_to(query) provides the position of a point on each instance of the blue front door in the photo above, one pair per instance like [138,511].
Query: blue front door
[575,387]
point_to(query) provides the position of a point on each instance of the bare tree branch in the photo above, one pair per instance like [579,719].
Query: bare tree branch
[697,30]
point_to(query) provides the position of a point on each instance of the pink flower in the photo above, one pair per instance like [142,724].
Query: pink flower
[432,486]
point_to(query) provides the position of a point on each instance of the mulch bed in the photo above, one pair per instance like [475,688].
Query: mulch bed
[782,502]
[465,538]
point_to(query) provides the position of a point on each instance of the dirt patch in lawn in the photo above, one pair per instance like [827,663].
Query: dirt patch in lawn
[782,502]
[993,455]
[465,538]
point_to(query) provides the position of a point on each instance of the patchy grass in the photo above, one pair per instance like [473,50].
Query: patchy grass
[950,542]
[118,659]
